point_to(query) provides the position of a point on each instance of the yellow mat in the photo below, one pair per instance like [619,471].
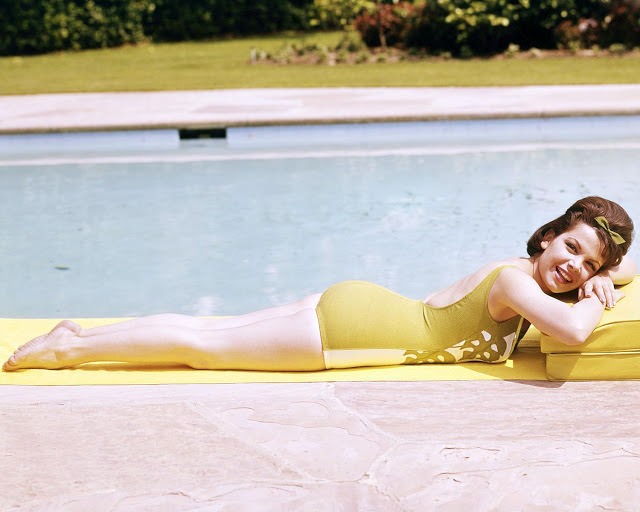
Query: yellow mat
[526,364]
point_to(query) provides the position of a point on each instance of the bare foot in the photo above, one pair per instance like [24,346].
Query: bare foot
[46,351]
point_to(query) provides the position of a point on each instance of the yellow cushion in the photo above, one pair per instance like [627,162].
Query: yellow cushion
[618,330]
[612,352]
[605,366]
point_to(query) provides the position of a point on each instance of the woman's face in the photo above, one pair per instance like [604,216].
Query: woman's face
[568,259]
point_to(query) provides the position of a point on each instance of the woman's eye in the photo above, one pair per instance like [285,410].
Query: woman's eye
[571,246]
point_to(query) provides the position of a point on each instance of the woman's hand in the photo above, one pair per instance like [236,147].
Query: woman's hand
[602,287]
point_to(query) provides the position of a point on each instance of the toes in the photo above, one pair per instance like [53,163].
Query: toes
[43,351]
[13,363]
[10,364]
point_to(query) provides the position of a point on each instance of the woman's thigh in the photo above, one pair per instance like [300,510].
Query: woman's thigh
[286,342]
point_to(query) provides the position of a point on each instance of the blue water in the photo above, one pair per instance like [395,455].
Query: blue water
[140,223]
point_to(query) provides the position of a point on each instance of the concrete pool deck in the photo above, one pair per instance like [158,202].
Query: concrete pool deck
[246,107]
[412,446]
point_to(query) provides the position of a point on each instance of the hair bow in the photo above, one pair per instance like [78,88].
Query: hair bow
[604,224]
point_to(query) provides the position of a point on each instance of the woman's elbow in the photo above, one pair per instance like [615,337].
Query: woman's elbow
[625,272]
[574,339]
[577,335]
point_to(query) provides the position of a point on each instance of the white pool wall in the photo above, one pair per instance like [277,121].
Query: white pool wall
[433,133]
[135,140]
[428,133]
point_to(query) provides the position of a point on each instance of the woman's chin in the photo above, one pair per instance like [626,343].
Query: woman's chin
[558,288]
[564,288]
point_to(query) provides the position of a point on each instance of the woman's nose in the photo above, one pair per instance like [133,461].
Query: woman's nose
[575,267]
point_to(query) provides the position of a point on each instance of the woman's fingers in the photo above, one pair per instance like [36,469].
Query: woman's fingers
[606,293]
[602,287]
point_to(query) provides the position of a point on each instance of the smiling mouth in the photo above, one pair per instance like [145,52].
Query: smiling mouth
[563,275]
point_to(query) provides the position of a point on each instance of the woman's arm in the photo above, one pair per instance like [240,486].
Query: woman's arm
[570,324]
[623,273]
[602,284]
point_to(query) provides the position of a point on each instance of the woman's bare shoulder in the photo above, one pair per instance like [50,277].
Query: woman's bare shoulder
[463,286]
[523,265]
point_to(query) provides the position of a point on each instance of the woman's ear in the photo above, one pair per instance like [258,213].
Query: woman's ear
[546,240]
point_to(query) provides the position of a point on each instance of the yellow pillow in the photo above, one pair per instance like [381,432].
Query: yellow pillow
[605,366]
[612,352]
[618,330]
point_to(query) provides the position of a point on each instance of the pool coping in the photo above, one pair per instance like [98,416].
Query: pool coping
[50,113]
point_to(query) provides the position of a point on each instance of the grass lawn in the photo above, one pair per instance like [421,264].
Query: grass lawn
[225,65]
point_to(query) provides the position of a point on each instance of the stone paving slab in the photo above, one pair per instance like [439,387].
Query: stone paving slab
[416,446]
[250,107]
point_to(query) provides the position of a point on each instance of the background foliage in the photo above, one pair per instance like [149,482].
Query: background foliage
[468,27]
[458,27]
[179,20]
[39,26]
[29,26]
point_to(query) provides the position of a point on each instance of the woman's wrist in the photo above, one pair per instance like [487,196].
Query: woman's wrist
[593,301]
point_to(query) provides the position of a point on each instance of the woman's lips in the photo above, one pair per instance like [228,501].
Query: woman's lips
[563,276]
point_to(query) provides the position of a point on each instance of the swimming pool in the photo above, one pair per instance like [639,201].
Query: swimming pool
[132,223]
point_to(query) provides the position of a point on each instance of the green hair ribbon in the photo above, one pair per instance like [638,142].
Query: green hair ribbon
[604,224]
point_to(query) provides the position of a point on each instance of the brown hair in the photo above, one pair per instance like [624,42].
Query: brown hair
[586,210]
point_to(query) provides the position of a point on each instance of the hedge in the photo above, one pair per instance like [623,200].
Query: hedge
[178,20]
[458,27]
[468,27]
[38,26]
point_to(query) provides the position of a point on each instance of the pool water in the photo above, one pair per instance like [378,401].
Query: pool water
[126,224]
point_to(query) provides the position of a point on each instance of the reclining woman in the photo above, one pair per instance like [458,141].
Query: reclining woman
[354,323]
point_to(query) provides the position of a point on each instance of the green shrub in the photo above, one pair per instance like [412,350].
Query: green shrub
[29,26]
[34,27]
[621,26]
[335,14]
[179,20]
[618,27]
[456,27]
[469,27]
[386,24]
[584,33]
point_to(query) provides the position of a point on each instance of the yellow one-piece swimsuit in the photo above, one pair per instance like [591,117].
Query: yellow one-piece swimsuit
[363,324]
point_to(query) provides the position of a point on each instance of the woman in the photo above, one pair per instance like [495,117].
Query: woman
[479,318]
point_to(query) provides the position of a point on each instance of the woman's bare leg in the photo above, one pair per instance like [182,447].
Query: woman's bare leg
[221,323]
[283,338]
